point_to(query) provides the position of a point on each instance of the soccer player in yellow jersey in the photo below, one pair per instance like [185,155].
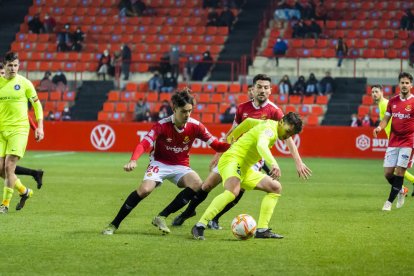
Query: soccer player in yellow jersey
[36,174]
[377,94]
[254,138]
[15,92]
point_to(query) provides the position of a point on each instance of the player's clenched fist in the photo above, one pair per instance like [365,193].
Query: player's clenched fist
[130,166]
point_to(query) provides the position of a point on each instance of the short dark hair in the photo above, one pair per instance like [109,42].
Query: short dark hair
[405,75]
[261,77]
[10,57]
[293,119]
[182,97]
[379,86]
[249,86]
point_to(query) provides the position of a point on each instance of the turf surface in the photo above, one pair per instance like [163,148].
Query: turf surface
[333,224]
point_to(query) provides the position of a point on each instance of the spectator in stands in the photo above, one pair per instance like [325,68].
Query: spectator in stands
[104,64]
[341,50]
[78,37]
[407,21]
[308,11]
[300,29]
[411,54]
[283,5]
[203,67]
[226,18]
[49,24]
[126,60]
[154,83]
[189,68]
[35,25]
[50,116]
[174,59]
[59,79]
[46,83]
[285,87]
[321,13]
[299,86]
[250,91]
[311,85]
[165,110]
[355,121]
[213,18]
[367,121]
[169,83]
[141,110]
[279,49]
[66,115]
[131,8]
[64,39]
[327,84]
[228,116]
[314,30]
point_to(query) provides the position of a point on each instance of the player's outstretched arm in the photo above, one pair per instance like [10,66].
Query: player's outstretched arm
[303,171]
[139,150]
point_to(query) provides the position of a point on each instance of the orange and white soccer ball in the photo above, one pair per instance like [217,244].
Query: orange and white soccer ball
[243,227]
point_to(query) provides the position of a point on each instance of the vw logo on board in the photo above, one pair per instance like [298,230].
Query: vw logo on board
[102,137]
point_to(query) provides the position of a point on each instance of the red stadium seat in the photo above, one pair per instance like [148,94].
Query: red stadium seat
[322,99]
[108,107]
[308,99]
[318,110]
[312,120]
[367,100]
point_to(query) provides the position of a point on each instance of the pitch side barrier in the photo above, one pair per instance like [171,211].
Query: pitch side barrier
[322,141]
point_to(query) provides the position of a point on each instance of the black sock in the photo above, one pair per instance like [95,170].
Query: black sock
[179,202]
[396,187]
[130,203]
[195,201]
[24,171]
[229,206]
[391,180]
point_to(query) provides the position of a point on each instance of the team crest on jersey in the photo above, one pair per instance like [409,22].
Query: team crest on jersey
[263,117]
[149,174]
[186,140]
[394,106]
[17,87]
[408,108]
[169,140]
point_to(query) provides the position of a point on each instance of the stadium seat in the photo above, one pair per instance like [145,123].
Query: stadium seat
[103,116]
[312,120]
[294,99]
[207,118]
[210,88]
[318,110]
[367,100]
[69,96]
[152,97]
[282,99]
[217,98]
[363,110]
[290,108]
[308,99]
[304,110]
[221,88]
[108,107]
[234,88]
[55,96]
[121,107]
[322,99]
[114,96]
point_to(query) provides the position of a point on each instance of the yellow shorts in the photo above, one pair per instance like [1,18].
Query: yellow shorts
[13,142]
[229,167]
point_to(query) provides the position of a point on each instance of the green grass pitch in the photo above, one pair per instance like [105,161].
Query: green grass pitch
[332,223]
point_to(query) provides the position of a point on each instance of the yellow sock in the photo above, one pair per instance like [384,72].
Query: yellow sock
[216,206]
[266,210]
[20,187]
[7,195]
[408,176]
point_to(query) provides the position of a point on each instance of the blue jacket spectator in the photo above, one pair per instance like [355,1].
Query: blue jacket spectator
[279,49]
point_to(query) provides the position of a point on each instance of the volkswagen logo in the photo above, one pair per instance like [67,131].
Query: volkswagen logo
[102,137]
[282,147]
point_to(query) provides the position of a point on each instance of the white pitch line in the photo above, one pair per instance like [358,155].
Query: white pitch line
[53,154]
